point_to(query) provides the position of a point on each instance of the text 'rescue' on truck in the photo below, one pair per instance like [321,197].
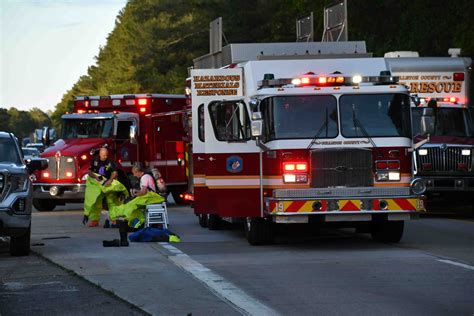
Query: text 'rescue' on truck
[446,162]
[146,128]
[281,135]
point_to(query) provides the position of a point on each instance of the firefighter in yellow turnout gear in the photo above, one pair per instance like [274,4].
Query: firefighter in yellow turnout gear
[101,184]
[134,211]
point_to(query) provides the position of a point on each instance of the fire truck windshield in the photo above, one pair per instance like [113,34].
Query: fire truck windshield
[377,115]
[291,117]
[87,128]
[448,122]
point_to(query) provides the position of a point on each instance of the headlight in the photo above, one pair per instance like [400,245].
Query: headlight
[418,186]
[19,183]
[466,152]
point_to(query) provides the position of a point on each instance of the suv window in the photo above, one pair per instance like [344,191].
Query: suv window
[8,151]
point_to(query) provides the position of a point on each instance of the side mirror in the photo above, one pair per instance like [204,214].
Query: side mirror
[427,124]
[257,124]
[133,134]
[46,138]
[35,164]
[416,100]
[257,128]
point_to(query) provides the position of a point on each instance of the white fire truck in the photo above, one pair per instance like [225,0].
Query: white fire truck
[309,133]
[146,128]
[442,83]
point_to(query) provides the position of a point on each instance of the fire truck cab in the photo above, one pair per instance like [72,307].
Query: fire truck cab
[145,128]
[446,162]
[285,135]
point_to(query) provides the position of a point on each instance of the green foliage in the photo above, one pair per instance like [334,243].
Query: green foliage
[154,41]
[22,123]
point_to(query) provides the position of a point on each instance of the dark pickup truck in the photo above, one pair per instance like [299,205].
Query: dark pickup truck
[16,194]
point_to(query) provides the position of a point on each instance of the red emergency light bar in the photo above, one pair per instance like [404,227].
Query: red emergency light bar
[327,81]
[453,100]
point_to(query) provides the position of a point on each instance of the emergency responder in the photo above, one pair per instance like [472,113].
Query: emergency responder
[101,182]
[131,215]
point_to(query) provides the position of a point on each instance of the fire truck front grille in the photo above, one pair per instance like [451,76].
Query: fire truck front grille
[441,159]
[341,168]
[66,170]
[52,169]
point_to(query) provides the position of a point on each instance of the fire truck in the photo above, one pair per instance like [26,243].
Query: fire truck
[146,128]
[302,133]
[441,83]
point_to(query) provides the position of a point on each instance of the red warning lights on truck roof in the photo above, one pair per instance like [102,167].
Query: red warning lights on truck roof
[458,76]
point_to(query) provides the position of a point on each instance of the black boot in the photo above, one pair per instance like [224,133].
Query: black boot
[123,230]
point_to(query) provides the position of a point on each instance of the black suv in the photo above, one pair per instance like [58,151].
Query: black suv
[16,194]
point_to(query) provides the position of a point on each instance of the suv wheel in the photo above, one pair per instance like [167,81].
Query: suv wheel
[44,205]
[20,246]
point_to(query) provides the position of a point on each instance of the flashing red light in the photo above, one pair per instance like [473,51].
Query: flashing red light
[142,101]
[84,157]
[339,79]
[142,110]
[453,99]
[305,80]
[295,166]
[45,174]
[81,111]
[69,174]
[394,165]
[86,104]
[187,196]
[322,80]
[458,76]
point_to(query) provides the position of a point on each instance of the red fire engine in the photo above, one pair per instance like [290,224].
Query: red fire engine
[284,134]
[146,128]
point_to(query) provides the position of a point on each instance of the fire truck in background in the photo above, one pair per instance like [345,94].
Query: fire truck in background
[146,128]
[446,162]
[308,133]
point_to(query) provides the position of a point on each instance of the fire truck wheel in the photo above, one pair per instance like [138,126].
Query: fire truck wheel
[259,231]
[43,205]
[213,222]
[388,231]
[203,220]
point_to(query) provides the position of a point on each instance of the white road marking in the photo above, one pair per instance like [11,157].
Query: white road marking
[459,264]
[224,289]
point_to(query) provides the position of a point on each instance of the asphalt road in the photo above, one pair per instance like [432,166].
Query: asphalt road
[34,286]
[336,272]
[430,272]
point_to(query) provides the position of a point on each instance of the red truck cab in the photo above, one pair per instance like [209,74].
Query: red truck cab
[144,128]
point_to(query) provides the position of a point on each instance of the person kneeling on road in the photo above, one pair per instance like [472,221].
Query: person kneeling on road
[131,215]
[101,183]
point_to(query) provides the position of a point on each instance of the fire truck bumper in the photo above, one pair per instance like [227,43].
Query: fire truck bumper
[69,191]
[448,183]
[343,204]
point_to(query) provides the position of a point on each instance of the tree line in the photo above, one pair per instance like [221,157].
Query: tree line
[22,123]
[154,41]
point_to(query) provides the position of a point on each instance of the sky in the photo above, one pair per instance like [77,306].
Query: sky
[46,45]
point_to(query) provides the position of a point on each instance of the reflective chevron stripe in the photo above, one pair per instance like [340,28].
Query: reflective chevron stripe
[306,206]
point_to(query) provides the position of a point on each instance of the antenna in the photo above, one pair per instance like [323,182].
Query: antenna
[215,36]
[304,28]
[335,22]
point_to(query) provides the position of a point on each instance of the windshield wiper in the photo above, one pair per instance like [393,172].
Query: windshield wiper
[358,124]
[320,130]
